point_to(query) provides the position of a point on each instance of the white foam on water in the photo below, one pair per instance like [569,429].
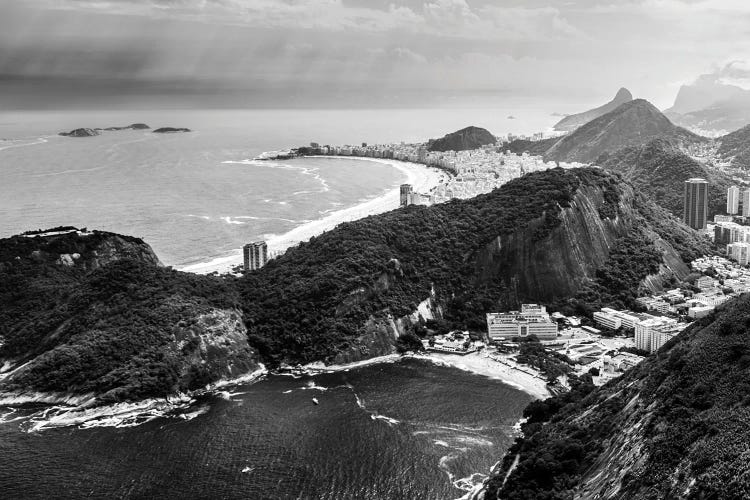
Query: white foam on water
[388,420]
[312,385]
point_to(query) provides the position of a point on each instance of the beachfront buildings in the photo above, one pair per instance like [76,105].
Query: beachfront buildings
[531,320]
[406,192]
[255,255]
[695,213]
[733,200]
[472,172]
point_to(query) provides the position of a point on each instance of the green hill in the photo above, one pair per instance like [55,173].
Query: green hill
[631,124]
[544,237]
[735,147]
[572,122]
[461,140]
[95,313]
[659,169]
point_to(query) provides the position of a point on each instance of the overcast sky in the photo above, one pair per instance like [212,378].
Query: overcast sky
[363,53]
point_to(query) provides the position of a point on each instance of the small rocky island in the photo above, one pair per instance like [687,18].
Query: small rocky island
[90,132]
[170,130]
[81,132]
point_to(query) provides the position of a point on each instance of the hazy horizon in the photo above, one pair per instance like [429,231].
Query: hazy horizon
[351,54]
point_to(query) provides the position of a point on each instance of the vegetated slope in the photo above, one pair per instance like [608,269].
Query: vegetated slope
[541,237]
[461,140]
[94,313]
[631,124]
[676,426]
[534,148]
[572,122]
[735,147]
[659,170]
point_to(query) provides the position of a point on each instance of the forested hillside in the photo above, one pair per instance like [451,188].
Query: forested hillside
[659,169]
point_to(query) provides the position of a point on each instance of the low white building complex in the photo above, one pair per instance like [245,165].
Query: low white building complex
[531,320]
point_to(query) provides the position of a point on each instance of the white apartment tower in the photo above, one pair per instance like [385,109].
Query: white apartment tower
[255,255]
[733,200]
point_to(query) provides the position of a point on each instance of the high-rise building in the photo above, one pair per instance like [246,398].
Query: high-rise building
[733,200]
[255,254]
[406,191]
[746,203]
[739,252]
[695,213]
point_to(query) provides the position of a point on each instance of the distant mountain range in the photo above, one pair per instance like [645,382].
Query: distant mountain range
[462,140]
[631,124]
[709,105]
[572,122]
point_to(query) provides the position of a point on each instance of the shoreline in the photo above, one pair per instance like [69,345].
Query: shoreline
[423,179]
[477,363]
[84,411]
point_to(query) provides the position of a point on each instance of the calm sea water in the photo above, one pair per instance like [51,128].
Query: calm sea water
[403,430]
[175,190]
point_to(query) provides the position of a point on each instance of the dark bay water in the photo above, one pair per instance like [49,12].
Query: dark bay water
[391,431]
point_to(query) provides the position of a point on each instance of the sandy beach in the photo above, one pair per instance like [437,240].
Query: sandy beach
[421,177]
[479,363]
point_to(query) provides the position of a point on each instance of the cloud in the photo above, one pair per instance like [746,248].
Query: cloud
[455,18]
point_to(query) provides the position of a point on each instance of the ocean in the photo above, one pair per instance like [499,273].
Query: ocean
[185,194]
[402,430]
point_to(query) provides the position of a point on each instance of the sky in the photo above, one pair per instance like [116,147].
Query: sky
[363,53]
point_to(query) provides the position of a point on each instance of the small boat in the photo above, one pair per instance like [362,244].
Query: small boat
[315,400]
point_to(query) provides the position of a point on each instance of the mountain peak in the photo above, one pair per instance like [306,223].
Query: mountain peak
[632,123]
[572,122]
[623,95]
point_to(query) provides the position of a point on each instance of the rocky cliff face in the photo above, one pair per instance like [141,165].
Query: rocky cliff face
[558,265]
[572,122]
[95,314]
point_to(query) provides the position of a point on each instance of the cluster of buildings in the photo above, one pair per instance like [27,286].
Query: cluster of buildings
[411,197]
[480,171]
[651,332]
[532,319]
[474,172]
[453,343]
[730,229]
